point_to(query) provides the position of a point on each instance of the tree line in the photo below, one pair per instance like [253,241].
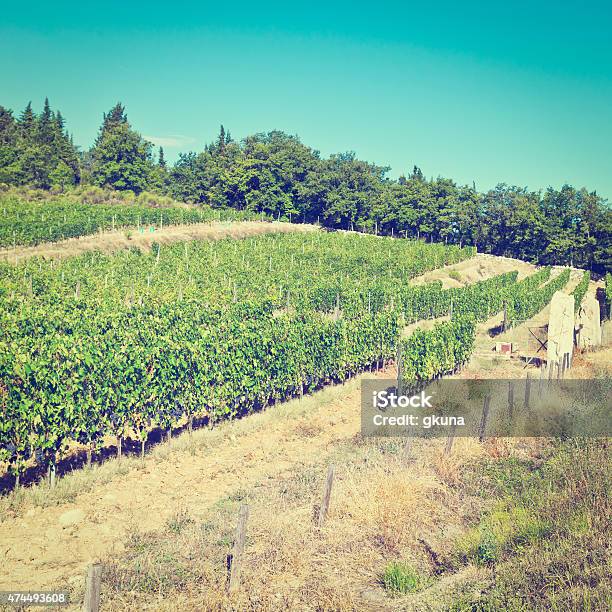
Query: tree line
[275,173]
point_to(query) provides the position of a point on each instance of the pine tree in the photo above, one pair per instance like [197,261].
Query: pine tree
[59,122]
[27,122]
[8,127]
[221,142]
[112,120]
[417,174]
[45,125]
[121,157]
[161,161]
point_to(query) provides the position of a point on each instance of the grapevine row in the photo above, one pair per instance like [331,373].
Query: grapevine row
[31,223]
[581,288]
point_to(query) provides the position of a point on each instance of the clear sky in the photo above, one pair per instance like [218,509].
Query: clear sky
[517,92]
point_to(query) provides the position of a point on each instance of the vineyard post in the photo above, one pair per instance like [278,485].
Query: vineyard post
[407,448]
[505,323]
[119,447]
[550,365]
[51,472]
[527,390]
[238,550]
[329,481]
[510,399]
[399,366]
[301,386]
[562,373]
[92,588]
[450,440]
[558,370]
[483,420]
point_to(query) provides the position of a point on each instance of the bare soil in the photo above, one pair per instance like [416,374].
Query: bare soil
[479,267]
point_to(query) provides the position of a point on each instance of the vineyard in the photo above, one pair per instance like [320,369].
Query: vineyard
[27,223]
[114,345]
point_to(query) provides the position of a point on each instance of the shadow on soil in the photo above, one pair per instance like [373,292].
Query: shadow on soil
[78,459]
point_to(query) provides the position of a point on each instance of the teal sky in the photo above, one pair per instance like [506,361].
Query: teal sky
[517,92]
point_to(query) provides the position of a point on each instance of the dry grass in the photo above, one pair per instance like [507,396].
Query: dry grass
[382,510]
[109,242]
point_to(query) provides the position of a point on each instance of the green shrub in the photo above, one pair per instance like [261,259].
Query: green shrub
[400,578]
[504,530]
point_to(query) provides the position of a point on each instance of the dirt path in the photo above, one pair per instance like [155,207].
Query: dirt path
[477,268]
[109,242]
[485,359]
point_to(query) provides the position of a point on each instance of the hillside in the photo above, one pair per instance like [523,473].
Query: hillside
[162,524]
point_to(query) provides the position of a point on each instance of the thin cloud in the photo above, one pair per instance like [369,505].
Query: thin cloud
[171,141]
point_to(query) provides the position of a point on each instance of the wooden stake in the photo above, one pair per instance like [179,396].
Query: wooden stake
[527,390]
[399,366]
[407,449]
[238,550]
[510,399]
[52,473]
[483,420]
[326,495]
[92,588]
[450,440]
